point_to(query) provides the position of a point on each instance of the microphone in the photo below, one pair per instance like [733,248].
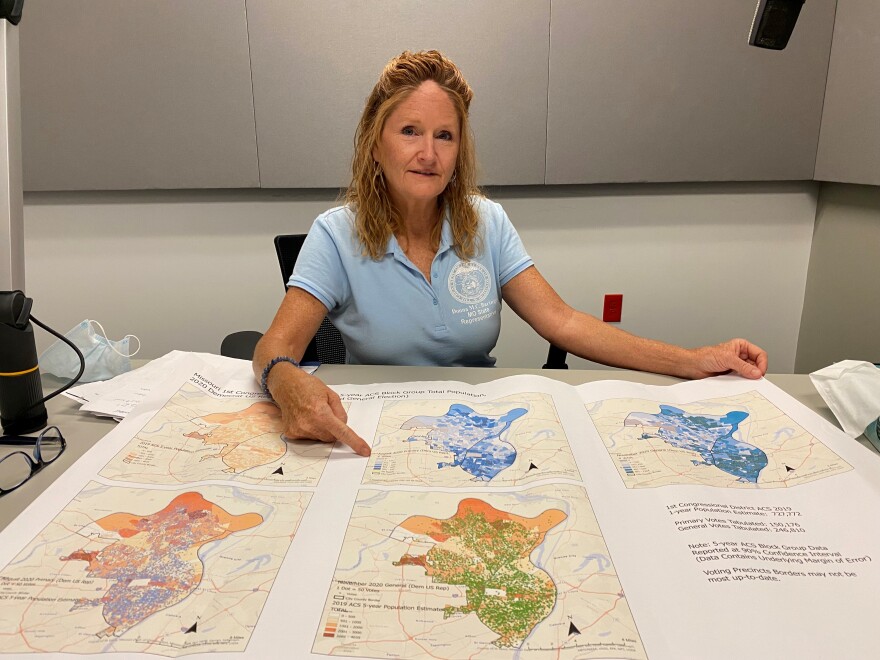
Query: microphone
[20,387]
[774,22]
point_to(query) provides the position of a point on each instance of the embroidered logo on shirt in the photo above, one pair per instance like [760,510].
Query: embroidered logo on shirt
[469,282]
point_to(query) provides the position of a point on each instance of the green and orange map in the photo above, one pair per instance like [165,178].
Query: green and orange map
[502,575]
[486,551]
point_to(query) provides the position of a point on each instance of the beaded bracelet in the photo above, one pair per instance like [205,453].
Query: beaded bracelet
[264,379]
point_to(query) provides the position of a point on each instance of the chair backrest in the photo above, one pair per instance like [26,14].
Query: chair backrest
[287,247]
[326,346]
[555,358]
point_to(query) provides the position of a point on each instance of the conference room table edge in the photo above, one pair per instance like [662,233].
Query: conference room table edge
[83,430]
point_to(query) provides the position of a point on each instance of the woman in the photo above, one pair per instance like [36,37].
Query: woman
[413,268]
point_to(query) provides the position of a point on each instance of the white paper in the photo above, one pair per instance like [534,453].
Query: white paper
[118,396]
[519,519]
[152,372]
[779,568]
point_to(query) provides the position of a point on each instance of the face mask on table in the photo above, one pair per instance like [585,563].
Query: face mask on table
[104,357]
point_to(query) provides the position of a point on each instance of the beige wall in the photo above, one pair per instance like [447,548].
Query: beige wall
[696,263]
[841,318]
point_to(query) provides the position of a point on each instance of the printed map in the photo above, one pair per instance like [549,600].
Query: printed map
[493,576]
[741,441]
[163,572]
[199,437]
[506,442]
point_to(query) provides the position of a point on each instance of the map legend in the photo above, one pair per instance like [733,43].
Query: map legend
[331,626]
[344,625]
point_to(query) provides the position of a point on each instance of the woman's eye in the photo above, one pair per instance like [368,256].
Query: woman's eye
[408,130]
[444,135]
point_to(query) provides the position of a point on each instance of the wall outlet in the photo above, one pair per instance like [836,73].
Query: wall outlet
[613,307]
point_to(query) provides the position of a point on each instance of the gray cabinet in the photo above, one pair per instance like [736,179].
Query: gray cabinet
[671,91]
[133,95]
[314,63]
[849,144]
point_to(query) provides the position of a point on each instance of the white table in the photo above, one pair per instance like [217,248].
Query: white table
[82,430]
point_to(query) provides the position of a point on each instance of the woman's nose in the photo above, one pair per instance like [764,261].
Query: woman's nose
[427,150]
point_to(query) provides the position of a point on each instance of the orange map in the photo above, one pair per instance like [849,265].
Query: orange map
[198,436]
[247,438]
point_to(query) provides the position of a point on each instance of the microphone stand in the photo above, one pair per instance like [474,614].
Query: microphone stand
[11,203]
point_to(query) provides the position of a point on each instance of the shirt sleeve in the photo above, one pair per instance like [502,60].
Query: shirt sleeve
[513,258]
[319,268]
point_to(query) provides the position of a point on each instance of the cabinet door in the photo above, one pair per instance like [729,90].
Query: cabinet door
[132,95]
[315,63]
[849,146]
[670,90]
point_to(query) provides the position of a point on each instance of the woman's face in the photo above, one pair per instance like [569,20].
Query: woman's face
[418,147]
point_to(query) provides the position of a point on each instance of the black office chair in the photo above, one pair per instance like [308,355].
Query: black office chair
[556,358]
[326,346]
[240,344]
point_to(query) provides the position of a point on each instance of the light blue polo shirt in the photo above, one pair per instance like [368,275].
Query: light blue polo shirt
[387,311]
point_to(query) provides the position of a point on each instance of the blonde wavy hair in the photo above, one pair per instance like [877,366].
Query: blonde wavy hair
[376,219]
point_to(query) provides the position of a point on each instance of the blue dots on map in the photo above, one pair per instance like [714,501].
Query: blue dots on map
[738,441]
[711,436]
[473,439]
[454,443]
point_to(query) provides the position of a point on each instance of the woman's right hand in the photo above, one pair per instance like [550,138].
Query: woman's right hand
[312,411]
[309,409]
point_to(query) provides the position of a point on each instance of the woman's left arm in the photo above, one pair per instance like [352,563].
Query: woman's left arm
[538,304]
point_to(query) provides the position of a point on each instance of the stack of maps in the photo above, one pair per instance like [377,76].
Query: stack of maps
[522,519]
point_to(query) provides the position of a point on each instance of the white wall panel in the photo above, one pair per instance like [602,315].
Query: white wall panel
[315,63]
[670,90]
[696,263]
[136,95]
[849,144]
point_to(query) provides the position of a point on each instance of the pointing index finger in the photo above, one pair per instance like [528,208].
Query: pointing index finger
[342,432]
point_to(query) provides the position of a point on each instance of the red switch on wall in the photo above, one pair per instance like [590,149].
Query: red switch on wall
[613,307]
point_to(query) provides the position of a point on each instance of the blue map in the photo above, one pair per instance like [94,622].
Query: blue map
[474,439]
[711,436]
